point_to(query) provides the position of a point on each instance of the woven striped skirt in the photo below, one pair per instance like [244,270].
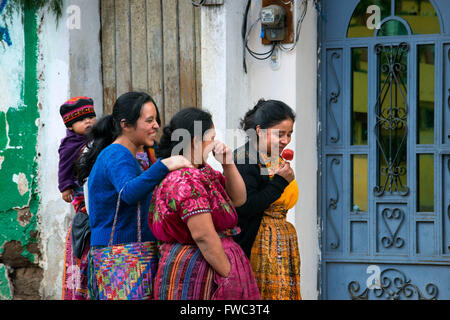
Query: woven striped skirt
[183,274]
[75,272]
[275,257]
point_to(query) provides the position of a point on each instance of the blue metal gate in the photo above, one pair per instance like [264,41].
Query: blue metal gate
[385,149]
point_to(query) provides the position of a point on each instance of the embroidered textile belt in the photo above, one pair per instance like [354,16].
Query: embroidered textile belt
[229,232]
[276,211]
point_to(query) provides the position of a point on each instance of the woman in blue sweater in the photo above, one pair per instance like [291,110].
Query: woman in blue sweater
[111,166]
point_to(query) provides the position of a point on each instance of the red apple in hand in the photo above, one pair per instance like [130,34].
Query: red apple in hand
[287,154]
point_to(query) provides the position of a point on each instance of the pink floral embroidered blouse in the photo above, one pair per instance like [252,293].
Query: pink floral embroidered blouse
[185,193]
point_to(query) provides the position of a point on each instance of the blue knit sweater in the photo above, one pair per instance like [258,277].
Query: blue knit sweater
[114,169]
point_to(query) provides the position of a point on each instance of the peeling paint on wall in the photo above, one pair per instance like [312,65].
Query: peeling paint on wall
[6,290]
[19,252]
[12,68]
[22,183]
[24,216]
[4,91]
[35,78]
[4,32]
[8,138]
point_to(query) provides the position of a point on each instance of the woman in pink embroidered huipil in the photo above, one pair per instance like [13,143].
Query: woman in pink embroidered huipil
[192,214]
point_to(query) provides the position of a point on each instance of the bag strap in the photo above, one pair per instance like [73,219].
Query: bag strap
[115,220]
[139,222]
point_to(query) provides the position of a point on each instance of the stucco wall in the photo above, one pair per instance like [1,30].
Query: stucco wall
[54,213]
[45,64]
[69,65]
[19,254]
[228,93]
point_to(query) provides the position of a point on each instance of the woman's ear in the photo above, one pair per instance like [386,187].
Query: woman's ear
[258,129]
[123,124]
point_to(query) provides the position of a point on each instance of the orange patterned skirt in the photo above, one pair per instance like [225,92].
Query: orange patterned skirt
[275,257]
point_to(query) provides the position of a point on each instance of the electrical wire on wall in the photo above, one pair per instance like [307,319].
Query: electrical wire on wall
[298,27]
[198,4]
[256,55]
[244,32]
[245,37]
[268,54]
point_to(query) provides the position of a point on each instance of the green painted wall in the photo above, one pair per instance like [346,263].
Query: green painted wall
[18,173]
[5,288]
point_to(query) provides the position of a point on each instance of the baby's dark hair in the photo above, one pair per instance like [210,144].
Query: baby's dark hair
[266,114]
[184,119]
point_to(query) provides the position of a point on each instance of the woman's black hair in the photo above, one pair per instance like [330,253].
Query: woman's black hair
[127,107]
[266,114]
[184,119]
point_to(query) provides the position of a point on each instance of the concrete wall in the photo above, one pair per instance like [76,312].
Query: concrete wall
[69,66]
[228,93]
[19,255]
[85,52]
[306,169]
[46,64]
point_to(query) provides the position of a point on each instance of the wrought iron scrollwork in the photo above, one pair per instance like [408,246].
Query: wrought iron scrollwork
[393,285]
[393,239]
[332,205]
[448,100]
[334,95]
[392,119]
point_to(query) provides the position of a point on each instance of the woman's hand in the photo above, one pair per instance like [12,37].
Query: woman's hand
[234,184]
[286,171]
[222,153]
[177,162]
